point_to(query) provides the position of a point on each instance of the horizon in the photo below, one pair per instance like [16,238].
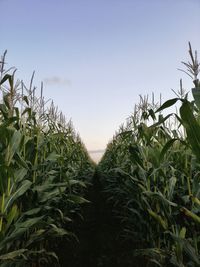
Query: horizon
[96,58]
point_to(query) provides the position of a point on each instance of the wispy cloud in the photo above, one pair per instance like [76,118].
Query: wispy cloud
[56,80]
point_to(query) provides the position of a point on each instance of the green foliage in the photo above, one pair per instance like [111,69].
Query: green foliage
[152,182]
[44,171]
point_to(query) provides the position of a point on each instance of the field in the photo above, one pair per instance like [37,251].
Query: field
[140,206]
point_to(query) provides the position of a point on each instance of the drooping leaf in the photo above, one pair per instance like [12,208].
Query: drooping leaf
[167,104]
[14,254]
[5,78]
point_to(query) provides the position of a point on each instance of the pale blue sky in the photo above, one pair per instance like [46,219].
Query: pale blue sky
[96,56]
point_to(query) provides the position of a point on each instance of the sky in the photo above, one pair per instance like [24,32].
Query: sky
[96,57]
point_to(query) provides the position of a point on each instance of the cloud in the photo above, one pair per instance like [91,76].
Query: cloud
[56,80]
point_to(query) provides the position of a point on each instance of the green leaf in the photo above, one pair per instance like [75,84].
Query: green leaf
[160,196]
[161,120]
[59,231]
[190,251]
[52,156]
[4,110]
[20,229]
[172,183]
[25,98]
[20,174]
[135,155]
[192,127]
[14,254]
[21,161]
[166,147]
[152,114]
[13,146]
[5,78]
[77,199]
[32,212]
[18,193]
[167,104]
[12,215]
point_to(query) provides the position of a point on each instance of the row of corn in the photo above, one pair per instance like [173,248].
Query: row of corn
[151,177]
[44,170]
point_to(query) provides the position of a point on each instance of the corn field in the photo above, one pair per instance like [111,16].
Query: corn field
[140,206]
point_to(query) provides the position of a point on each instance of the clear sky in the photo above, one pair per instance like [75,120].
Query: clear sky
[96,56]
